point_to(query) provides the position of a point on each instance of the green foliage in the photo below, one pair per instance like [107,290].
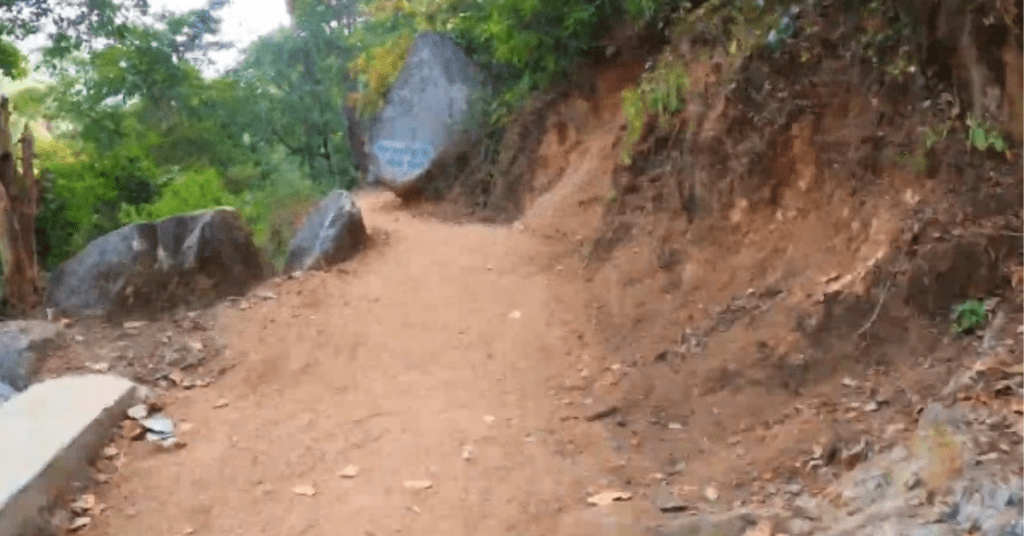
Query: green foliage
[189,192]
[274,209]
[982,136]
[13,64]
[82,195]
[297,86]
[736,26]
[969,316]
[525,44]
[378,68]
[661,93]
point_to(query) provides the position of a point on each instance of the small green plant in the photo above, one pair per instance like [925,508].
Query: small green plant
[982,135]
[916,161]
[969,316]
[934,134]
[661,92]
[901,66]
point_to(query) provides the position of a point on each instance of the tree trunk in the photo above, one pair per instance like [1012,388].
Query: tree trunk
[18,199]
[28,206]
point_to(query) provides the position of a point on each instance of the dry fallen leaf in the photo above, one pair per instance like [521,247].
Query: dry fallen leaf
[138,411]
[304,490]
[84,504]
[221,403]
[350,471]
[79,523]
[608,497]
[418,484]
[98,367]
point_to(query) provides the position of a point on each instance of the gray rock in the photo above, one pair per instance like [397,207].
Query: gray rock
[22,344]
[993,508]
[807,507]
[934,530]
[189,259]
[731,524]
[429,116]
[6,392]
[980,504]
[667,501]
[616,519]
[333,232]
[798,527]
[159,424]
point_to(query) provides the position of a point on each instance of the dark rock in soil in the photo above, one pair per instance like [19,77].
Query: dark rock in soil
[189,259]
[22,345]
[332,233]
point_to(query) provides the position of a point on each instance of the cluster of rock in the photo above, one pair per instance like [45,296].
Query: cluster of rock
[936,486]
[193,260]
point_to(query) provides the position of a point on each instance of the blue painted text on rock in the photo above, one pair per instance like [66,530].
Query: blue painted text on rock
[403,158]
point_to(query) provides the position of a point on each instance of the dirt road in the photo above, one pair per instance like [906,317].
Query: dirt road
[440,343]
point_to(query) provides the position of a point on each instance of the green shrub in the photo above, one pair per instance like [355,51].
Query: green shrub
[82,196]
[189,192]
[661,92]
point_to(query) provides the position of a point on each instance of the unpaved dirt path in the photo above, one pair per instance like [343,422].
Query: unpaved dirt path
[394,363]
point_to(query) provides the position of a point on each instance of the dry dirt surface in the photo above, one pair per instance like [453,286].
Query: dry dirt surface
[430,358]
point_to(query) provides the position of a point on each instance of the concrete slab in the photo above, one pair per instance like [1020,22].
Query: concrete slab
[49,435]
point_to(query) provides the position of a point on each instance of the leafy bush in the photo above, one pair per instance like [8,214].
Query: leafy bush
[192,191]
[82,196]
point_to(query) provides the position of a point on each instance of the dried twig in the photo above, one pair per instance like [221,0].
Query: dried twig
[878,309]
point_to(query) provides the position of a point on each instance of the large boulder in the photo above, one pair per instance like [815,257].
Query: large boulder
[22,346]
[332,233]
[427,118]
[144,268]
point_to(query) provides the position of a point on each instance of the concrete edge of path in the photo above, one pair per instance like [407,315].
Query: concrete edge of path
[49,436]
